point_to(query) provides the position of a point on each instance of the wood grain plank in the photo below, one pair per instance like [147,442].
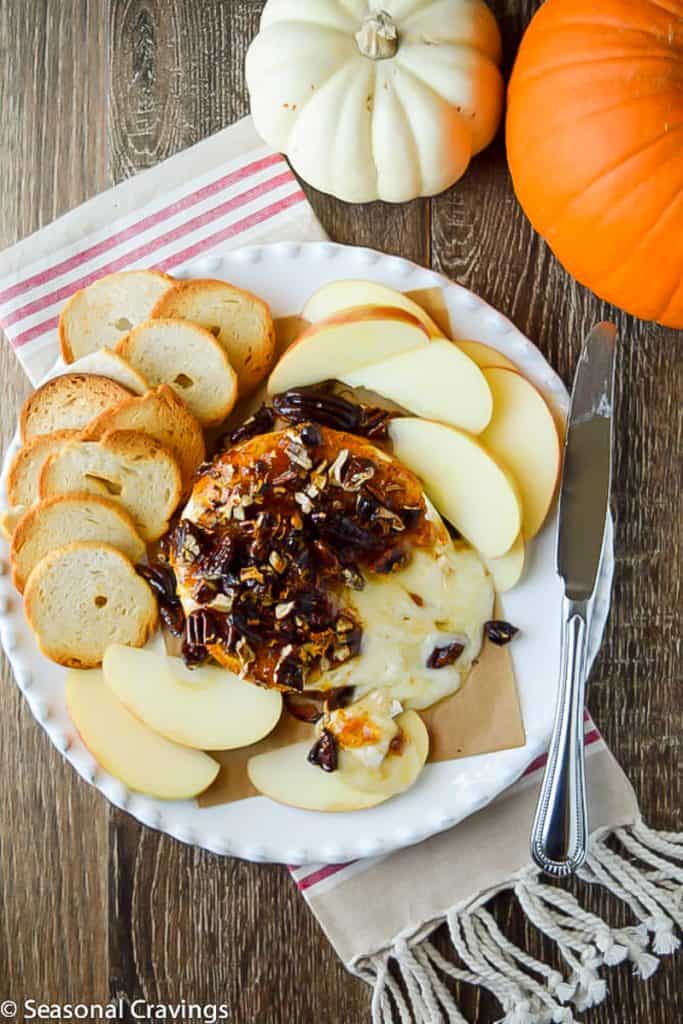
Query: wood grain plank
[53,834]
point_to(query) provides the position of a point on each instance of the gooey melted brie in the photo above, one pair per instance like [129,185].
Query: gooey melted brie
[442,595]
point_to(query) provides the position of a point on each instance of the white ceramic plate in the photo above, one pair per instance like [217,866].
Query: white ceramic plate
[258,829]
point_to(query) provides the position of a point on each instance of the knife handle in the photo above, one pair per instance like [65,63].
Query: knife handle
[560,830]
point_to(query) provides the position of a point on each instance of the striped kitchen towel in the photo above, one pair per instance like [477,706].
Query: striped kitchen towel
[227,191]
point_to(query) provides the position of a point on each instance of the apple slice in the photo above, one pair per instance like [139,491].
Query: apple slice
[484,355]
[398,771]
[209,708]
[128,749]
[437,381]
[506,571]
[285,775]
[340,295]
[523,435]
[467,484]
[346,342]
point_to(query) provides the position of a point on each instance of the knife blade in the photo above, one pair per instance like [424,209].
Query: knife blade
[559,834]
[587,473]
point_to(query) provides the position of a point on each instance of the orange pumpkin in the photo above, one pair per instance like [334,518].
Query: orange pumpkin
[595,146]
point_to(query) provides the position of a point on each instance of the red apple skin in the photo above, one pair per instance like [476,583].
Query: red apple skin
[432,328]
[358,314]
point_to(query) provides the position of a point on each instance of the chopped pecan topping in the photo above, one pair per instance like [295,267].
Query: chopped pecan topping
[319,404]
[261,422]
[390,561]
[500,632]
[355,473]
[188,541]
[173,617]
[446,655]
[218,561]
[310,435]
[324,752]
[201,628]
[288,521]
[161,579]
[284,608]
[277,561]
[303,708]
[245,653]
[289,670]
[297,454]
[304,502]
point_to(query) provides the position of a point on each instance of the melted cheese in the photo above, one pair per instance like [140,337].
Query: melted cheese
[455,599]
[365,729]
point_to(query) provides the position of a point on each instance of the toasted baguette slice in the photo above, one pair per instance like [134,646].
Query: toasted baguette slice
[187,358]
[240,321]
[162,415]
[106,363]
[68,518]
[24,472]
[83,597]
[102,313]
[68,402]
[129,467]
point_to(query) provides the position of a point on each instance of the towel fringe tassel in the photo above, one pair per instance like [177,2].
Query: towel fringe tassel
[410,981]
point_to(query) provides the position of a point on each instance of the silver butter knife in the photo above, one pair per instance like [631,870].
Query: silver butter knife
[560,830]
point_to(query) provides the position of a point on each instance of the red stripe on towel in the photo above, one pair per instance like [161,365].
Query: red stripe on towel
[172,261]
[150,221]
[148,248]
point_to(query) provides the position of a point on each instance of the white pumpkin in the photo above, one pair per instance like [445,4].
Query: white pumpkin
[377,99]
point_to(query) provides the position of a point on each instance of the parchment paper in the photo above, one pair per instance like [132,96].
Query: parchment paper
[483,716]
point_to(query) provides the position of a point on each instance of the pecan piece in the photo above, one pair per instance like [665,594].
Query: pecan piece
[262,421]
[303,709]
[310,435]
[446,655]
[201,628]
[500,632]
[188,541]
[391,560]
[161,579]
[324,752]
[342,531]
[320,405]
[219,559]
[173,617]
[289,671]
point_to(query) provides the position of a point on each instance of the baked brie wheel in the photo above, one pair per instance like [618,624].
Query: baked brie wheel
[310,560]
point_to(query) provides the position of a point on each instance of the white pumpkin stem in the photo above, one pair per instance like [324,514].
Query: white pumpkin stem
[378,36]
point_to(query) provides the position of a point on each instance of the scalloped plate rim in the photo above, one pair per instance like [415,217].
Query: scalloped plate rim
[410,823]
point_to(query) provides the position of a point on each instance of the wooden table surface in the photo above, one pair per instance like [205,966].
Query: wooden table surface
[95,906]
